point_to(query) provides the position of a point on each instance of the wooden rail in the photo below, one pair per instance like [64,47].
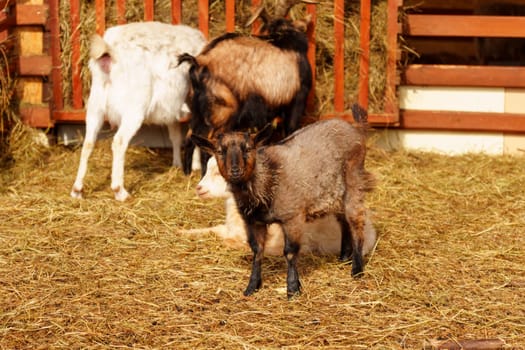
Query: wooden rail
[456,26]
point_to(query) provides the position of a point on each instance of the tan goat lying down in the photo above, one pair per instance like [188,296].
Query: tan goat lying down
[233,232]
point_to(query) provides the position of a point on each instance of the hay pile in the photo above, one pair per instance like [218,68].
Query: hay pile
[101,274]
[7,115]
[324,37]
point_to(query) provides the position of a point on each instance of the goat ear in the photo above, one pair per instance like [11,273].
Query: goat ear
[264,135]
[205,144]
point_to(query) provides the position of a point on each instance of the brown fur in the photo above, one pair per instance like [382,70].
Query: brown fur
[317,171]
[254,77]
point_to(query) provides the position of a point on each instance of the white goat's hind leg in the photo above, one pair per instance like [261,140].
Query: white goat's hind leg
[93,125]
[175,134]
[119,146]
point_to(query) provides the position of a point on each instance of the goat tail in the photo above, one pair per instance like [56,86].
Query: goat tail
[359,114]
[99,47]
[186,57]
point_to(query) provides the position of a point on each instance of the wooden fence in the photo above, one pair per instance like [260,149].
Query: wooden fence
[442,24]
[45,65]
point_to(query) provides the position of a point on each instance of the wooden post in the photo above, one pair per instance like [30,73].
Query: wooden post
[364,61]
[176,11]
[149,9]
[204,17]
[121,11]
[230,16]
[339,56]
[33,63]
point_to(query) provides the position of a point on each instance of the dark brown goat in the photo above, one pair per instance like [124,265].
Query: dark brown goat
[317,171]
[240,82]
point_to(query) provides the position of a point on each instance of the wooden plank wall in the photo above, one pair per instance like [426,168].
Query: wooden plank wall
[25,22]
[447,20]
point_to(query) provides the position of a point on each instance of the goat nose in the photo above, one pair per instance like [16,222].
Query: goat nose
[198,188]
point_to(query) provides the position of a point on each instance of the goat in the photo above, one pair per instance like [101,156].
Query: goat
[242,82]
[321,236]
[317,171]
[136,80]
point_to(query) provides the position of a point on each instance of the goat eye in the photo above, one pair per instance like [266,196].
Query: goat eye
[219,151]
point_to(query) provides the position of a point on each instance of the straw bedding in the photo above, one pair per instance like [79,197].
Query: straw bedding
[96,273]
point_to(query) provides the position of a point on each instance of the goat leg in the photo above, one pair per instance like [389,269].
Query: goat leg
[189,148]
[291,250]
[346,240]
[256,238]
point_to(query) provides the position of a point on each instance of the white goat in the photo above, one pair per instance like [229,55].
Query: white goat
[135,81]
[322,236]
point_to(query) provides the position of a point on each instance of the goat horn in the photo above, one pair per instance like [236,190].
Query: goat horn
[259,12]
[283,6]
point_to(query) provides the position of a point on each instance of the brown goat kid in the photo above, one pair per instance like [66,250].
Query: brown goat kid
[317,171]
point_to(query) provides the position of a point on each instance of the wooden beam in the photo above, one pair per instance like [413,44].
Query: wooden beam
[391,101]
[34,65]
[56,72]
[374,119]
[100,17]
[149,9]
[76,63]
[77,115]
[176,11]
[463,75]
[230,16]
[458,25]
[204,17]
[364,57]
[339,56]
[37,116]
[31,14]
[471,121]
[475,344]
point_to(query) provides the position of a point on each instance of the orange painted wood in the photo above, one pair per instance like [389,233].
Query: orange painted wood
[391,103]
[204,17]
[458,25]
[34,65]
[149,9]
[38,116]
[339,57]
[374,119]
[56,71]
[452,75]
[364,58]
[176,11]
[311,9]
[31,14]
[69,115]
[256,26]
[121,11]
[100,16]
[230,16]
[451,120]
[75,54]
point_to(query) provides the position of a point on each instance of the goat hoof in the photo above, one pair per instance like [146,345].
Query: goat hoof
[293,289]
[249,291]
[357,273]
[121,194]
[76,194]
[252,288]
[345,257]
